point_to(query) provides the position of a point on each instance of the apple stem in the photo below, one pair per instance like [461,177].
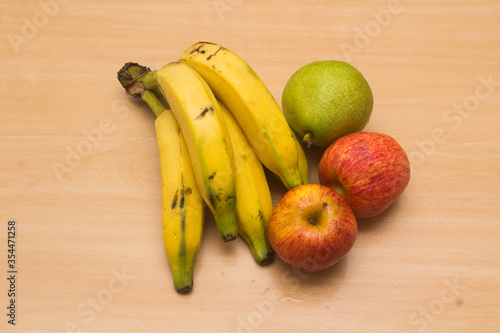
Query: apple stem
[337,187]
[306,140]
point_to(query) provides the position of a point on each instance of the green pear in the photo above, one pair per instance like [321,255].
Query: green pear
[325,100]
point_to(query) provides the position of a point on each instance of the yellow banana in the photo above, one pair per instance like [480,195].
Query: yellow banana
[235,83]
[202,125]
[182,204]
[254,204]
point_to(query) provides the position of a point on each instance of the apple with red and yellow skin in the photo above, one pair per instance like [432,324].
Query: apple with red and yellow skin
[312,227]
[370,170]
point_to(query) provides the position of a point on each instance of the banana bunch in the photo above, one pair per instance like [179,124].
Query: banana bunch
[223,127]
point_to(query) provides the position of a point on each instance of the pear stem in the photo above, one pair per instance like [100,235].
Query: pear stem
[306,140]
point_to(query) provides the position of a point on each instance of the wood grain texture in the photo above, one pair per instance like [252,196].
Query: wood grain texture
[89,243]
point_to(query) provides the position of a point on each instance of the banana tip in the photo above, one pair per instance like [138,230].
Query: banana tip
[185,290]
[229,237]
[268,260]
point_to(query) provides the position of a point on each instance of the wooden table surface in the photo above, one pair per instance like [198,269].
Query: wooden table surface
[79,170]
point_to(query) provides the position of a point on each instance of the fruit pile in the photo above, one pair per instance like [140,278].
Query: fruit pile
[217,127]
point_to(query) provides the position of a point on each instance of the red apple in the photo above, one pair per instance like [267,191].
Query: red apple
[370,170]
[312,227]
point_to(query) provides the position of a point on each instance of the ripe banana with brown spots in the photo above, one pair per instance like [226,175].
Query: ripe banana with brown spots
[182,204]
[237,85]
[199,116]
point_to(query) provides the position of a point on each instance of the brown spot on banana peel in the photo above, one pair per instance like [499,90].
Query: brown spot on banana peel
[210,56]
[204,112]
[197,49]
[200,46]
[211,176]
[181,203]
[212,199]
[174,201]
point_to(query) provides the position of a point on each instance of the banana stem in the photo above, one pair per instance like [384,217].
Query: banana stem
[149,80]
[140,82]
[154,103]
